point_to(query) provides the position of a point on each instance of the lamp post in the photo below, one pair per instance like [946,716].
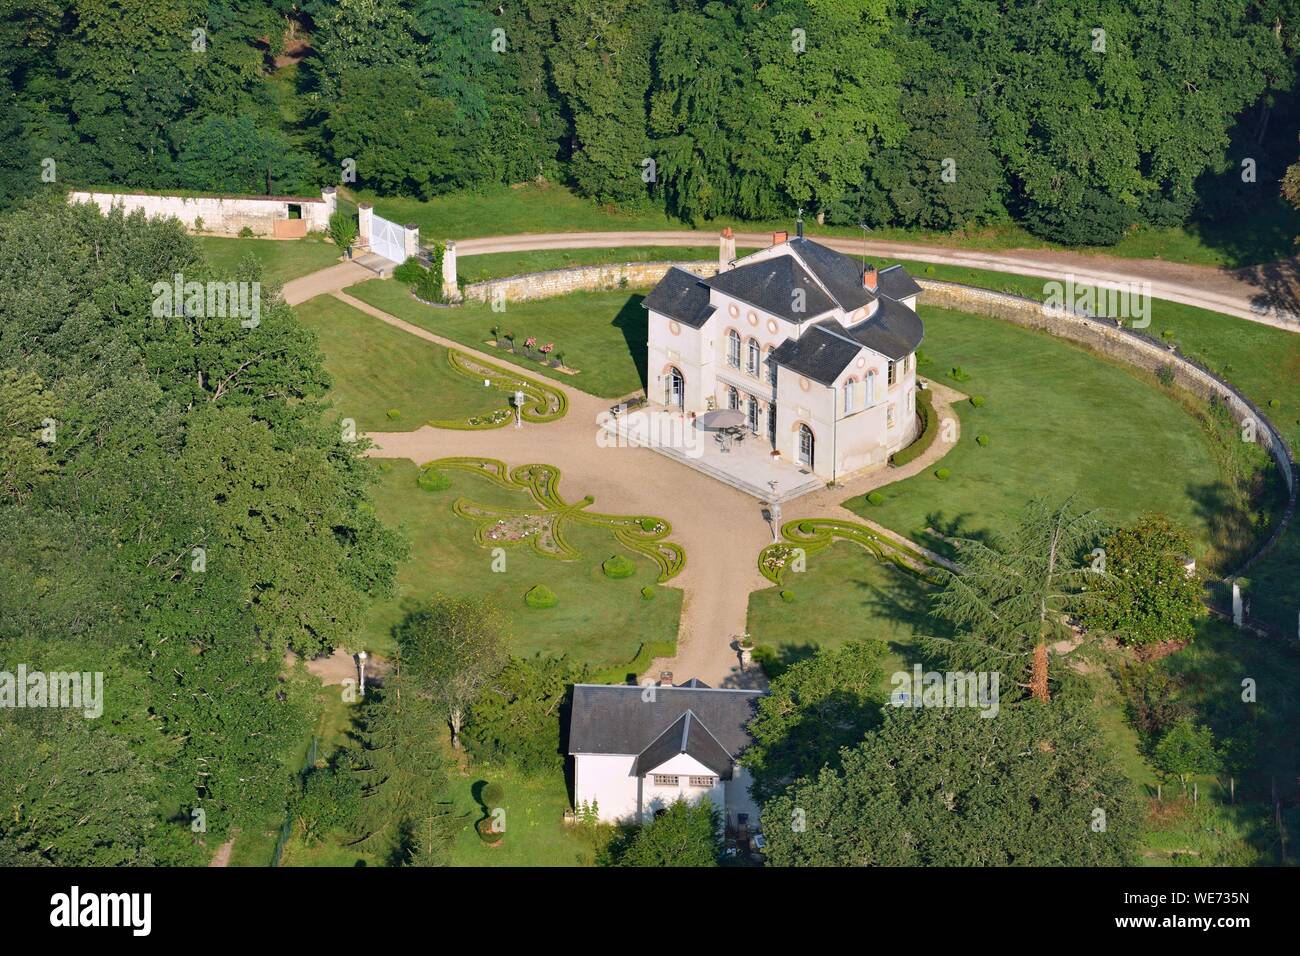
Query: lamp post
[519,406]
[361,656]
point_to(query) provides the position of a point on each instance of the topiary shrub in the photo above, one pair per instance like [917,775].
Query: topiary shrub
[929,429]
[942,474]
[618,566]
[431,479]
[393,414]
[649,525]
[492,795]
[1273,403]
[977,401]
[807,527]
[787,597]
[959,374]
[648,593]
[875,498]
[540,596]
[981,440]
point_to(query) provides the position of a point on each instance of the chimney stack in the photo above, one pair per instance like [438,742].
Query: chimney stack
[869,279]
[665,678]
[779,237]
[726,249]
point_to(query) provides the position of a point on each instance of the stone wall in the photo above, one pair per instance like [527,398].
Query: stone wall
[544,285]
[264,215]
[1123,345]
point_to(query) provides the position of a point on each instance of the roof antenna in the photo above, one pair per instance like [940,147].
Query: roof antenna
[798,224]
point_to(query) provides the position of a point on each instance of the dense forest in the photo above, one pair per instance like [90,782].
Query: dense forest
[1076,119]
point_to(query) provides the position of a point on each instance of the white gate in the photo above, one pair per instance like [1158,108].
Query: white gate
[387,239]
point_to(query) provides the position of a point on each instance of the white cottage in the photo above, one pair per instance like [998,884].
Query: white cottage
[636,750]
[817,350]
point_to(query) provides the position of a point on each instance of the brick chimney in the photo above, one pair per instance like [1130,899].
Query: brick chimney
[726,249]
[780,237]
[869,278]
[665,678]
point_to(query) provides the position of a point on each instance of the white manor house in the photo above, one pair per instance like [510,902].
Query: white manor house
[817,351]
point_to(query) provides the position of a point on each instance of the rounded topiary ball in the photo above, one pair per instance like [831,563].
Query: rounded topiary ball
[942,474]
[618,566]
[540,596]
[648,593]
[787,596]
[981,440]
[977,400]
[493,793]
[875,498]
[431,479]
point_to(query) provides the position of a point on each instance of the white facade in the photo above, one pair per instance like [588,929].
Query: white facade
[724,363]
[263,215]
[610,783]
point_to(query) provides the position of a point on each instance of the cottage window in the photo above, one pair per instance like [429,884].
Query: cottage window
[733,348]
[703,781]
[665,779]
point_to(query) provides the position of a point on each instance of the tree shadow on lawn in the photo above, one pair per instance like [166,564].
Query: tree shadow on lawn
[907,601]
[956,526]
[633,322]
[1233,535]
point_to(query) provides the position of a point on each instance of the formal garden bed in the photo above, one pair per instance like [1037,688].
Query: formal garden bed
[482,505]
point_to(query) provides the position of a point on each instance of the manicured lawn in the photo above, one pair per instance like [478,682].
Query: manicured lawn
[1061,422]
[598,620]
[378,369]
[602,334]
[501,210]
[846,594]
[281,259]
[495,265]
[535,833]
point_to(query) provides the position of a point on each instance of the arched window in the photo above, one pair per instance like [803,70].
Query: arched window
[771,366]
[733,399]
[849,388]
[733,348]
[751,358]
[807,447]
[871,387]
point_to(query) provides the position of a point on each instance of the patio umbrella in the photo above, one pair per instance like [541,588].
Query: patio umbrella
[722,418]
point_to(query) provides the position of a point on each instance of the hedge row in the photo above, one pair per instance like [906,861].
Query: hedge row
[929,428]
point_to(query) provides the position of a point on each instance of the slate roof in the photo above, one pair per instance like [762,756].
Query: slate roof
[687,735]
[896,283]
[821,353]
[893,330]
[840,274]
[615,719]
[681,296]
[769,284]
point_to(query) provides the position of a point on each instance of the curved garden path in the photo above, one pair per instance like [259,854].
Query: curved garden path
[721,529]
[1234,292]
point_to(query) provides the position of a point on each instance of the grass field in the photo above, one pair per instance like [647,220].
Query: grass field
[602,334]
[496,265]
[498,211]
[281,259]
[598,621]
[378,369]
[1060,421]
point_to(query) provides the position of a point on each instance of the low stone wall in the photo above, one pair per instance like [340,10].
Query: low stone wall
[1124,345]
[544,285]
[263,215]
